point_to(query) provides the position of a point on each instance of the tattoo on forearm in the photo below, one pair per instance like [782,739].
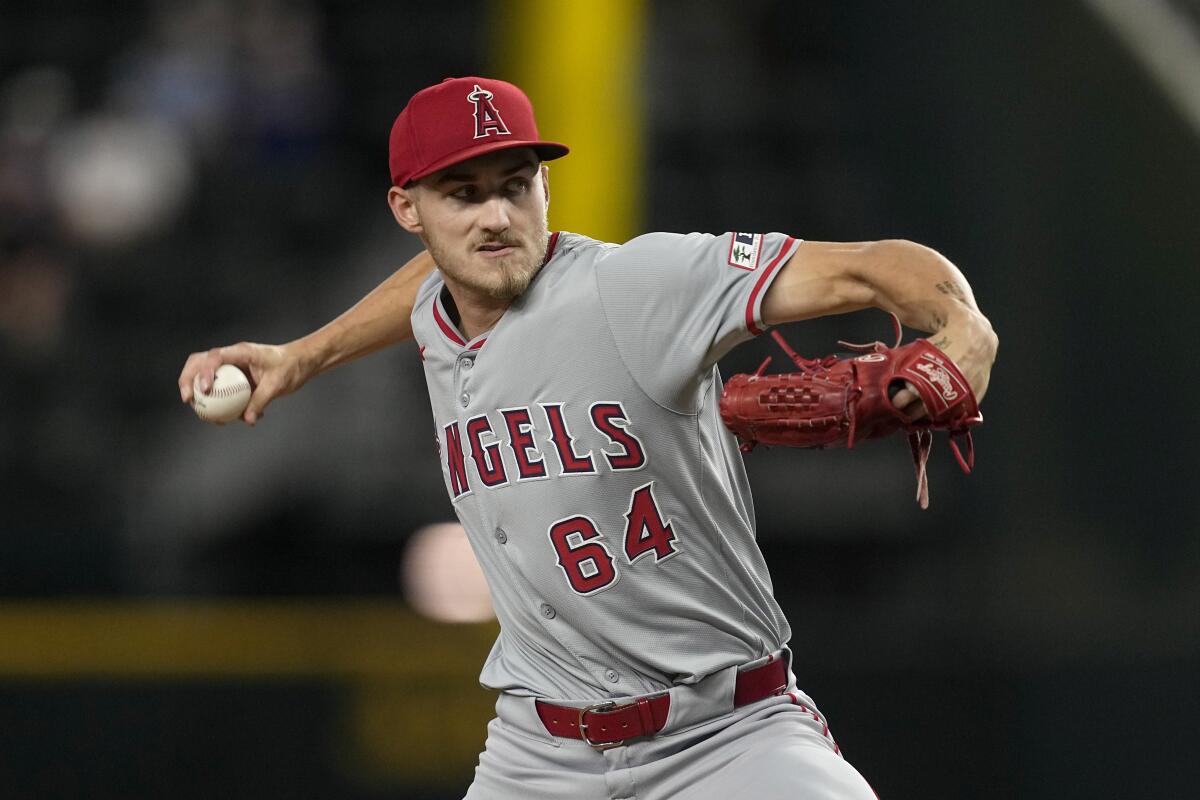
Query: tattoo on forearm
[936,322]
[941,343]
[953,289]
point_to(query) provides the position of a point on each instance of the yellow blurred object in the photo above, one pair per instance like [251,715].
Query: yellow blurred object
[581,65]
[426,731]
[415,710]
[351,639]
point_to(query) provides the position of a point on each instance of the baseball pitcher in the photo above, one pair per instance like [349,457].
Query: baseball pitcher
[578,412]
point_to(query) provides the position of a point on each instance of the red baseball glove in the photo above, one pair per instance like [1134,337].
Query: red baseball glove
[836,401]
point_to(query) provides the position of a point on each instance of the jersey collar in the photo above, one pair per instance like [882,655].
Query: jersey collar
[451,332]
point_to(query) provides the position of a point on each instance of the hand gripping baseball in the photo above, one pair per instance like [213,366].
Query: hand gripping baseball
[837,401]
[273,370]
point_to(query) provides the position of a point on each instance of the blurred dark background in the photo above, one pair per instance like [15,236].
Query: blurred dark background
[191,611]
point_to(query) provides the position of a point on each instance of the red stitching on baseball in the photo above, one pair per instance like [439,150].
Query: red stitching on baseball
[229,391]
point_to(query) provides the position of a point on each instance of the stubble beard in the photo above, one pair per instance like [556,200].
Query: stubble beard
[509,276]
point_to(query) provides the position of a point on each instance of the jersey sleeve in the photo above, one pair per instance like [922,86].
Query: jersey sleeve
[676,303]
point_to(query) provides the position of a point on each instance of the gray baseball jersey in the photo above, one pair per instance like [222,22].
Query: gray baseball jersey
[584,453]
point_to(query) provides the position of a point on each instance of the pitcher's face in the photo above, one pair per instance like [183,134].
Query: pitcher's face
[483,220]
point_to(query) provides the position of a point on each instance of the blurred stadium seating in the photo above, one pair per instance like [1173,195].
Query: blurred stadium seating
[199,612]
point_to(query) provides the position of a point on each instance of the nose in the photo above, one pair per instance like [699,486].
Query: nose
[494,215]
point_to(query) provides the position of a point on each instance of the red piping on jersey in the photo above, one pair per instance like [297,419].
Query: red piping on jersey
[762,281]
[453,334]
[550,247]
[446,327]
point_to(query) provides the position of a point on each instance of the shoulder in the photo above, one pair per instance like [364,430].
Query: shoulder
[660,253]
[568,246]
[565,242]
[571,258]
[655,245]
[662,243]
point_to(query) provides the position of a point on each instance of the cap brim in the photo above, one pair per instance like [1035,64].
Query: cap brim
[546,151]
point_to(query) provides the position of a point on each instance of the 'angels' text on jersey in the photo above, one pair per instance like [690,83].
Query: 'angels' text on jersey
[498,449]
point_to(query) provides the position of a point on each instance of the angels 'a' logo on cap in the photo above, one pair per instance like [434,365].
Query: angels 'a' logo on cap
[487,118]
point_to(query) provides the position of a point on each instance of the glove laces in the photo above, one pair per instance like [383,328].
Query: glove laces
[920,440]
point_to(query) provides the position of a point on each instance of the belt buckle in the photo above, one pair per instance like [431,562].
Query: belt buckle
[606,705]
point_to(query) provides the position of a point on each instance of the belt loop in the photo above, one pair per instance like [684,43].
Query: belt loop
[647,718]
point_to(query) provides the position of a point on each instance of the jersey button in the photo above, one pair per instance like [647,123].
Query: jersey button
[465,399]
[501,536]
[611,675]
[465,362]
[548,611]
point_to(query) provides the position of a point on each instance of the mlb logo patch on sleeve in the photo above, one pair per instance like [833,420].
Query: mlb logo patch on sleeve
[744,250]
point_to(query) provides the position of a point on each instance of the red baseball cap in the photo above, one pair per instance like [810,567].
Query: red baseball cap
[462,118]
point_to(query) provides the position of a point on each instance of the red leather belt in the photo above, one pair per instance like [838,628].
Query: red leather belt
[607,724]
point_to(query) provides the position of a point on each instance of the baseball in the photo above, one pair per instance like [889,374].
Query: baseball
[228,398]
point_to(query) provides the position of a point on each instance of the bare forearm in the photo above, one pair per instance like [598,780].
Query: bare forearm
[917,284]
[927,292]
[380,319]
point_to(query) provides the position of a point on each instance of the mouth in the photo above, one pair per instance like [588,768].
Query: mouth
[495,250]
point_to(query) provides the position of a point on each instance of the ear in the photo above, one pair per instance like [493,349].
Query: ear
[404,209]
[546,183]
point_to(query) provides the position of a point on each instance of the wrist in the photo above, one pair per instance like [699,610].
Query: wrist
[967,336]
[310,355]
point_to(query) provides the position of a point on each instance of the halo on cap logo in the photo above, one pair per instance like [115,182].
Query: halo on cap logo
[487,118]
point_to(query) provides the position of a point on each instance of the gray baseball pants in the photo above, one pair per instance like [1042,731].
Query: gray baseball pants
[779,747]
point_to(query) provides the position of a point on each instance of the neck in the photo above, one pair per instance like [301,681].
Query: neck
[476,312]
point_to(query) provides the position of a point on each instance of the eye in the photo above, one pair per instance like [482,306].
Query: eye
[518,186]
[465,192]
